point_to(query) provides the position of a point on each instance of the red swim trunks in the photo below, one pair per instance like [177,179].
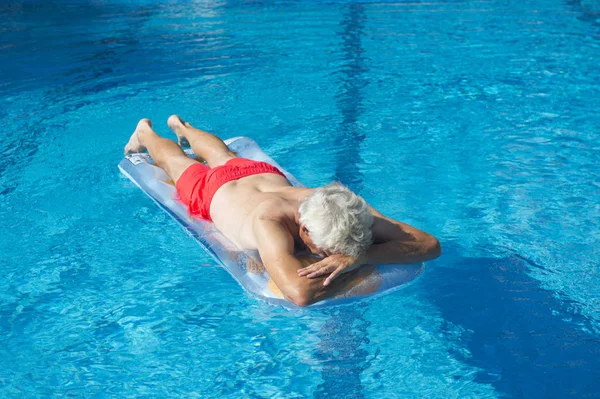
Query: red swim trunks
[198,183]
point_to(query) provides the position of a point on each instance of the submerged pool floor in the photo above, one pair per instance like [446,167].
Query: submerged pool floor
[476,121]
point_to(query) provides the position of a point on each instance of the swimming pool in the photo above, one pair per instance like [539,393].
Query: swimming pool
[475,121]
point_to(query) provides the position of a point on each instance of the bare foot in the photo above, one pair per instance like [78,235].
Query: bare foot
[134,145]
[178,125]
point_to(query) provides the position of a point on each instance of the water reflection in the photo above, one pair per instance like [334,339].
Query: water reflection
[525,340]
[350,98]
[341,353]
[588,14]
[341,350]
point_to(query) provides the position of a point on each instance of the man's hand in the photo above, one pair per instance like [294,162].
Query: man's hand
[333,265]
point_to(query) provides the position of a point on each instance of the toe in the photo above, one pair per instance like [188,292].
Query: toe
[144,122]
[174,121]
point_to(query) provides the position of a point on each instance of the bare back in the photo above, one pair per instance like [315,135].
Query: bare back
[238,204]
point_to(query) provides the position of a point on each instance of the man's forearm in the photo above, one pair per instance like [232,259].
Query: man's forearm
[403,252]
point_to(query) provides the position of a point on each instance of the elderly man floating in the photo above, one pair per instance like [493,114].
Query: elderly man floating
[256,207]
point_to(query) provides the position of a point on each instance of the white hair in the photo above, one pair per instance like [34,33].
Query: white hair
[338,221]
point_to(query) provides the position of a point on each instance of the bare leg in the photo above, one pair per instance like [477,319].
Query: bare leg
[166,153]
[204,144]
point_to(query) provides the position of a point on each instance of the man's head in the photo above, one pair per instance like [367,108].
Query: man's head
[334,220]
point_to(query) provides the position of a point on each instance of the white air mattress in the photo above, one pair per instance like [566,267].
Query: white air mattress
[244,265]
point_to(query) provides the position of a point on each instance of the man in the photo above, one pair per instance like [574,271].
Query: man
[256,207]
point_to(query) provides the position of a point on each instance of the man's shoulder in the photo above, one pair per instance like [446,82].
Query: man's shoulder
[271,226]
[273,208]
[274,212]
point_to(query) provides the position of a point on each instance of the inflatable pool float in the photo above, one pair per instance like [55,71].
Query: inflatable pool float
[245,266]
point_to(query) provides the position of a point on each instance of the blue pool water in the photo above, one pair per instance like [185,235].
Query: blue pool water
[476,121]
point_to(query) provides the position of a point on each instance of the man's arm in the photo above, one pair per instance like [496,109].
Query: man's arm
[276,248]
[399,243]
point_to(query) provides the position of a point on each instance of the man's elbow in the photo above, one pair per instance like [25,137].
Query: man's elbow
[432,248]
[300,297]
